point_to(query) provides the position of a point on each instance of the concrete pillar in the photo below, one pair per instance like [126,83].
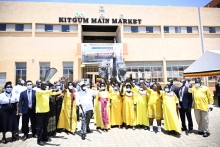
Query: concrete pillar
[164,70]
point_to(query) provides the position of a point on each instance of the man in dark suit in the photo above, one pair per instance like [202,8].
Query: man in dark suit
[217,89]
[173,88]
[27,104]
[186,106]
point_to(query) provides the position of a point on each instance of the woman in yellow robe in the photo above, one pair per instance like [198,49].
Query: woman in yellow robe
[67,119]
[154,106]
[129,106]
[103,108]
[170,103]
[142,112]
[116,106]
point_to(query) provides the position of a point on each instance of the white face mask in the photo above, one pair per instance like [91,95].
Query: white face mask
[181,84]
[58,87]
[141,81]
[128,89]
[84,88]
[102,88]
[168,83]
[197,85]
[70,87]
[29,87]
[22,82]
[47,87]
[141,88]
[8,90]
[167,89]
[116,88]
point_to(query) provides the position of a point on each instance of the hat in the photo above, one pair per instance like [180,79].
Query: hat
[81,83]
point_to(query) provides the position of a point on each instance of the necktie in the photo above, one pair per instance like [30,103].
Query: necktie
[29,99]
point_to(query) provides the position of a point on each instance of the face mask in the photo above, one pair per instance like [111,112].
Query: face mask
[22,82]
[141,81]
[151,83]
[84,88]
[197,85]
[128,89]
[102,88]
[70,87]
[29,87]
[8,90]
[116,88]
[167,89]
[168,83]
[181,84]
[141,88]
[58,87]
[47,87]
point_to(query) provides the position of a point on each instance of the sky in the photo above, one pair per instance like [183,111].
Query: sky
[188,3]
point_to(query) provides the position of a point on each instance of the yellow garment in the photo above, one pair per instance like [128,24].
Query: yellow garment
[116,108]
[202,97]
[142,100]
[42,100]
[171,120]
[67,117]
[128,112]
[99,121]
[154,104]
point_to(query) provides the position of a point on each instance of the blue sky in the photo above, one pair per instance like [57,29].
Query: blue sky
[189,3]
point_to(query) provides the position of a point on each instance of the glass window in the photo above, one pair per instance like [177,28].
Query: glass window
[2,80]
[68,70]
[19,27]
[212,30]
[49,28]
[20,71]
[149,29]
[44,66]
[166,29]
[2,27]
[65,28]
[189,29]
[134,29]
[177,29]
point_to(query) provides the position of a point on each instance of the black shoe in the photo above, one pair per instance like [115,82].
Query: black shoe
[41,143]
[83,136]
[16,134]
[58,131]
[190,131]
[4,141]
[24,137]
[14,138]
[88,130]
[206,134]
[46,139]
[34,135]
[200,133]
[184,129]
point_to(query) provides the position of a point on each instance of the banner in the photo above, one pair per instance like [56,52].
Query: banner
[97,52]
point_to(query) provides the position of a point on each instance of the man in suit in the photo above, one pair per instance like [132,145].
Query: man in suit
[217,89]
[173,88]
[186,106]
[27,104]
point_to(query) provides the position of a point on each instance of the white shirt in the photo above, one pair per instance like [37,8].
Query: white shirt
[85,99]
[16,91]
[29,94]
[181,96]
[36,88]
[7,98]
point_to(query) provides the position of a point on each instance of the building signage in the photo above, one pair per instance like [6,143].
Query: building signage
[100,20]
[97,52]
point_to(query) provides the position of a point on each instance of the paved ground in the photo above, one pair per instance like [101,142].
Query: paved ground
[132,138]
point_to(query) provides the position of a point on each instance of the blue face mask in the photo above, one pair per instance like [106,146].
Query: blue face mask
[8,90]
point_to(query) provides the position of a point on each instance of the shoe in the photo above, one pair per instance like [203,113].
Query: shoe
[190,131]
[184,129]
[145,128]
[88,130]
[14,138]
[83,136]
[41,143]
[159,129]
[200,133]
[46,139]
[34,135]
[151,129]
[4,141]
[126,127]
[206,134]
[133,128]
[24,137]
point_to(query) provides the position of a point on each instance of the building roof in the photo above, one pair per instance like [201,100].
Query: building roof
[213,3]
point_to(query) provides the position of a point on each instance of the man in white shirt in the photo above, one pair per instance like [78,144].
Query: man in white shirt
[16,92]
[84,101]
[38,85]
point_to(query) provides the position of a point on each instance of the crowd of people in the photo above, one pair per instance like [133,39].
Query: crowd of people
[53,108]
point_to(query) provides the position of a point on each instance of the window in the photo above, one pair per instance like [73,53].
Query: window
[189,29]
[166,29]
[2,80]
[48,28]
[19,27]
[20,71]
[134,29]
[175,69]
[177,30]
[44,66]
[65,28]
[68,70]
[212,30]
[149,29]
[2,27]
